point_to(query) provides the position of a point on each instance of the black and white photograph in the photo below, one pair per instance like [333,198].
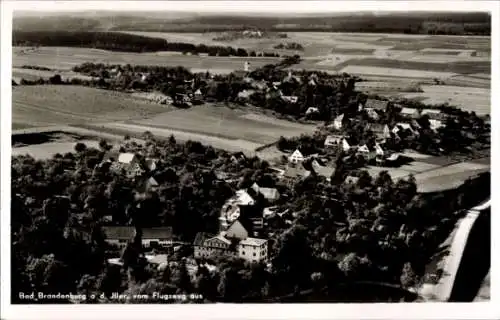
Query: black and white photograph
[247,154]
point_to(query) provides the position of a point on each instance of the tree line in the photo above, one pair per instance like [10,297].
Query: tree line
[115,41]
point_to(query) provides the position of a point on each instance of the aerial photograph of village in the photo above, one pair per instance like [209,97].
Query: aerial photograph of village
[174,157]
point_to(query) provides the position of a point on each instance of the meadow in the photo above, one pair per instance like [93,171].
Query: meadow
[227,123]
[470,99]
[46,105]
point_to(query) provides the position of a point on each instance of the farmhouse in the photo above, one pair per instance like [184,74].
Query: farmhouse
[333,141]
[375,104]
[129,162]
[366,152]
[410,112]
[198,96]
[120,236]
[270,194]
[296,157]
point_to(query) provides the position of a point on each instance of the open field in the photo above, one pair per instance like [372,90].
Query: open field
[49,149]
[435,173]
[322,43]
[223,122]
[30,74]
[67,58]
[232,145]
[466,98]
[445,67]
[395,72]
[45,142]
[55,104]
[469,81]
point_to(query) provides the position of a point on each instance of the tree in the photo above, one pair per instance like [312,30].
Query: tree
[408,276]
[350,264]
[181,279]
[80,147]
[103,144]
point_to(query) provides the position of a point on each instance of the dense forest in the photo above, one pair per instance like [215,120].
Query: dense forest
[452,23]
[116,41]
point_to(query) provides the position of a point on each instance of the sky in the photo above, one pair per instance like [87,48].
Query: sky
[271,7]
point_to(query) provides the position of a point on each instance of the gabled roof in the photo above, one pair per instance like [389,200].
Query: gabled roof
[219,237]
[376,104]
[126,157]
[254,242]
[151,164]
[119,233]
[339,118]
[157,233]
[296,172]
[345,144]
[332,139]
[408,111]
[363,148]
[405,126]
[243,198]
[152,181]
[297,153]
[325,171]
[430,111]
[270,193]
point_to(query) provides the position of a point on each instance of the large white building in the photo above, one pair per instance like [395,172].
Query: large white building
[232,242]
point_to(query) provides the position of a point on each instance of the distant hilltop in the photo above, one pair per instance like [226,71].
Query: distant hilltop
[453,23]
